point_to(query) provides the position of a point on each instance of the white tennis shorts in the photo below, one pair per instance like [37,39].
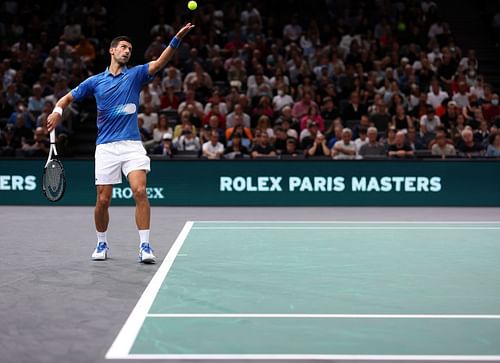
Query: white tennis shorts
[116,157]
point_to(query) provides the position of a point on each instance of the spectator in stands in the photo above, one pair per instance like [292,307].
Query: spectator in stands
[449,119]
[173,79]
[282,99]
[191,101]
[319,147]
[436,95]
[169,101]
[292,31]
[328,110]
[235,148]
[188,141]
[493,149]
[467,146]
[216,100]
[238,112]
[263,108]
[215,112]
[213,149]
[7,144]
[380,118]
[354,109]
[345,148]
[491,110]
[166,147]
[161,129]
[149,117]
[442,146]
[39,146]
[11,95]
[22,134]
[429,123]
[373,147]
[263,148]
[401,121]
[400,148]
[414,139]
[462,98]
[301,108]
[312,115]
[185,124]
[473,112]
[361,139]
[36,102]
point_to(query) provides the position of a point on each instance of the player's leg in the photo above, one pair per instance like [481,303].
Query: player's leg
[137,180]
[107,173]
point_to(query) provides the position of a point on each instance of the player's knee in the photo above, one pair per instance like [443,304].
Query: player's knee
[140,193]
[103,200]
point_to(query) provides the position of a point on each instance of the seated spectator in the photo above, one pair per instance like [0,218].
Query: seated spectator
[473,112]
[345,148]
[319,147]
[36,102]
[457,128]
[401,121]
[312,115]
[462,97]
[184,125]
[467,146]
[334,133]
[307,136]
[414,139]
[191,101]
[215,112]
[198,80]
[328,110]
[491,110]
[172,79]
[160,130]
[373,147]
[169,100]
[149,117]
[238,123]
[482,134]
[145,133]
[280,137]
[22,134]
[166,146]
[216,100]
[450,116]
[286,114]
[238,110]
[361,139]
[213,149]
[494,146]
[400,148]
[291,148]
[301,108]
[390,137]
[284,123]
[442,146]
[429,122]
[263,108]
[263,148]
[187,141]
[149,96]
[235,148]
[381,119]
[436,95]
[282,99]
[39,146]
[354,110]
[264,125]
[246,136]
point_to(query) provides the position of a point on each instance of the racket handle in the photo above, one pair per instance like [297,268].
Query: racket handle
[53,137]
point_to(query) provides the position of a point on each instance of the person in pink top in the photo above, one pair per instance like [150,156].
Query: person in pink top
[301,108]
[312,115]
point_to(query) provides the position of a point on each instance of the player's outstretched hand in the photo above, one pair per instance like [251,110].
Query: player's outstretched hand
[182,33]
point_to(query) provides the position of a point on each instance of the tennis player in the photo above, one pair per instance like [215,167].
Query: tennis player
[119,148]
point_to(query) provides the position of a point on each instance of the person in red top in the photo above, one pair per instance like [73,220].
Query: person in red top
[491,110]
[169,100]
[215,112]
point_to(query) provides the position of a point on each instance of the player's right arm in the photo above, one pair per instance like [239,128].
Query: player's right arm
[84,90]
[55,117]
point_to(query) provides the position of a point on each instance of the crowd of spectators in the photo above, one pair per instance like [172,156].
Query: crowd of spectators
[365,79]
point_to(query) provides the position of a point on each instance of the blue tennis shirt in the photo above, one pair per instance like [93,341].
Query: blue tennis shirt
[117,99]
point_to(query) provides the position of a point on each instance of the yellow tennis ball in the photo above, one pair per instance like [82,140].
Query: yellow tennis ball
[192,5]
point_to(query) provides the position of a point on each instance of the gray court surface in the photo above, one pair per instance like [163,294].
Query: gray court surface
[56,305]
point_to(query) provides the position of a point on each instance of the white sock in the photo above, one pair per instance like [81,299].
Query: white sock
[101,237]
[144,235]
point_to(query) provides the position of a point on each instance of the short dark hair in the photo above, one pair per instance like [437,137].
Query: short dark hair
[115,41]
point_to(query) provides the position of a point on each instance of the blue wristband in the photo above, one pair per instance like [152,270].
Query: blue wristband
[175,42]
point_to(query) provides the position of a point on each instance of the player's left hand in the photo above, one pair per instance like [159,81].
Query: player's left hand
[182,33]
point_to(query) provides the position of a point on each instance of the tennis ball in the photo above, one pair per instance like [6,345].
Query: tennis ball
[192,5]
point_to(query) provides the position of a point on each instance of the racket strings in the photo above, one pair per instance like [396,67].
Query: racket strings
[54,180]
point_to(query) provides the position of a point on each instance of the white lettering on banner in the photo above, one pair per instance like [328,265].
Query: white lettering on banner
[320,184]
[409,184]
[126,193]
[17,182]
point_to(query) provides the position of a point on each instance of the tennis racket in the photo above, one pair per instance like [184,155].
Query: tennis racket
[53,180]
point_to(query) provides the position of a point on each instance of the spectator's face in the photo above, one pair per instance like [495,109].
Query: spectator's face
[214,122]
[214,138]
[346,137]
[441,139]
[400,139]
[372,137]
[264,138]
[468,137]
[291,147]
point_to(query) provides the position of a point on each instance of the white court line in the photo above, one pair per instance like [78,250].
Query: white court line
[345,357]
[350,222]
[330,316]
[127,335]
[350,228]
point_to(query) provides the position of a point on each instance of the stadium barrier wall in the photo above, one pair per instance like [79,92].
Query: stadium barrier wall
[273,183]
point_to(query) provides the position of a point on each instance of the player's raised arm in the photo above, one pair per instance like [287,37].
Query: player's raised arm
[167,54]
[55,117]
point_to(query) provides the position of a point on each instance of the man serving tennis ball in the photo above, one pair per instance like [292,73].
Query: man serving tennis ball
[119,148]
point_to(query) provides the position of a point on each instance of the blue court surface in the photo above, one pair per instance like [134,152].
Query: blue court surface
[426,291]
